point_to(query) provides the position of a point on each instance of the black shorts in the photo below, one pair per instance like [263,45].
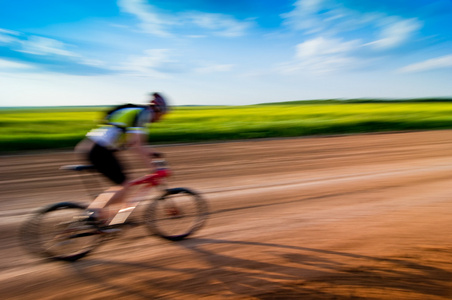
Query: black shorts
[106,163]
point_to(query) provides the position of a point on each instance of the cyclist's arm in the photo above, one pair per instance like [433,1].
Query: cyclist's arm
[138,141]
[138,136]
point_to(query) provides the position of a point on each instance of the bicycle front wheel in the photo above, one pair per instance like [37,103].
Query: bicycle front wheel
[61,232]
[176,214]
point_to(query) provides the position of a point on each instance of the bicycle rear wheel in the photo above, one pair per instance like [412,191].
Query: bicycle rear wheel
[176,214]
[60,231]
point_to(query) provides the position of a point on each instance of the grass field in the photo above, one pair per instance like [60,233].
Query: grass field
[51,128]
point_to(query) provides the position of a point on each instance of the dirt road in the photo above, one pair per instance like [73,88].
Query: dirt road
[349,217]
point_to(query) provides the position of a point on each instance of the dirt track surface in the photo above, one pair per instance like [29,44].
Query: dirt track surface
[349,217]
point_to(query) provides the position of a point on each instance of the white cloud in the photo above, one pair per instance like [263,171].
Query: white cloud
[320,16]
[304,16]
[430,64]
[36,45]
[45,46]
[161,63]
[7,65]
[42,52]
[220,24]
[214,68]
[151,21]
[321,55]
[6,31]
[161,24]
[333,18]
[154,63]
[395,32]
[321,47]
[8,36]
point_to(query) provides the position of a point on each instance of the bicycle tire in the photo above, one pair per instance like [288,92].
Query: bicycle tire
[178,213]
[57,232]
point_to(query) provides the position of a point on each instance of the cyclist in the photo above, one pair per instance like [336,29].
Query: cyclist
[124,128]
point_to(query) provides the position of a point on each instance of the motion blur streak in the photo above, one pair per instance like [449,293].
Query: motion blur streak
[365,216]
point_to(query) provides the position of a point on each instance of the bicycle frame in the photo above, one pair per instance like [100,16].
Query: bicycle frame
[153,179]
[149,181]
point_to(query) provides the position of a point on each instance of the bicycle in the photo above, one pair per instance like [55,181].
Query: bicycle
[61,231]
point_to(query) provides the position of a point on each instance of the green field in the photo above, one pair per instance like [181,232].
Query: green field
[52,128]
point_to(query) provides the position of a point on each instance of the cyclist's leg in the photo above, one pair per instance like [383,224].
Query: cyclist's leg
[106,163]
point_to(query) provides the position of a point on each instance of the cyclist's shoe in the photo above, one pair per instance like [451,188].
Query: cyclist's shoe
[109,231]
[132,223]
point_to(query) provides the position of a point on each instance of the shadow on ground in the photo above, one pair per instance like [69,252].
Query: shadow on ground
[267,271]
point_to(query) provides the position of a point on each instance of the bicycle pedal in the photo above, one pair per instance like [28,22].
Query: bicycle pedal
[132,223]
[110,231]
[89,219]
[85,227]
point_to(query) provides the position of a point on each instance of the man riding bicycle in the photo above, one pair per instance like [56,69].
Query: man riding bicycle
[124,127]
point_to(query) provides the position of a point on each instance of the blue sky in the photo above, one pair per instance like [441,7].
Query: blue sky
[89,52]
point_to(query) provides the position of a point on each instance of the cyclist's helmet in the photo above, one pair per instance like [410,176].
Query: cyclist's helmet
[159,103]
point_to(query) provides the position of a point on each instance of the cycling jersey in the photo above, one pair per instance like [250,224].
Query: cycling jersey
[113,134]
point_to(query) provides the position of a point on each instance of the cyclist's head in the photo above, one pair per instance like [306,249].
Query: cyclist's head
[158,103]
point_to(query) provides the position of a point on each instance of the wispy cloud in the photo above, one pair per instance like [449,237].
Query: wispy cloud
[443,62]
[305,17]
[152,63]
[43,53]
[327,16]
[322,55]
[151,21]
[218,24]
[162,24]
[8,36]
[32,44]
[45,46]
[330,17]
[162,63]
[214,68]
[10,66]
[395,32]
[338,38]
